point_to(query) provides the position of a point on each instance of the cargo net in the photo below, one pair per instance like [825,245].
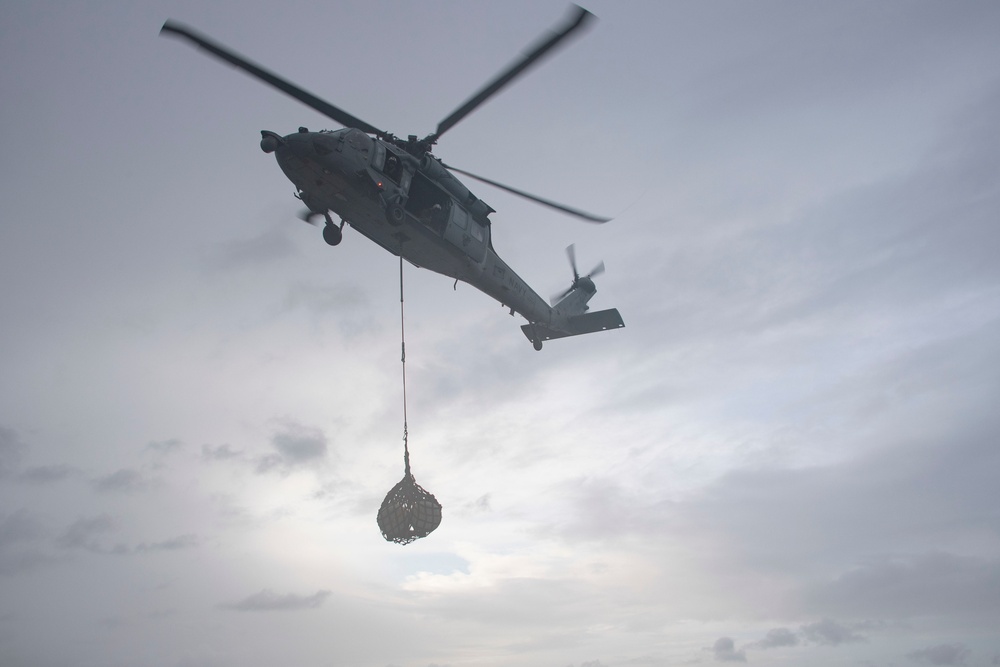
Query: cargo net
[408,511]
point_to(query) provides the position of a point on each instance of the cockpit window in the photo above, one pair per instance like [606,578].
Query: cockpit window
[393,166]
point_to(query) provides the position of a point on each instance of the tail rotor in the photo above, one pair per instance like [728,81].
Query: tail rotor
[578,280]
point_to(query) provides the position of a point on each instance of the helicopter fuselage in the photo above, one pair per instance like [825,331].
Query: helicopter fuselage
[411,207]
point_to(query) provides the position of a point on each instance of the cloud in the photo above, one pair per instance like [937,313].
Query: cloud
[84,533]
[825,632]
[778,637]
[267,600]
[849,537]
[87,534]
[295,445]
[269,246]
[220,453]
[10,451]
[47,474]
[298,444]
[942,654]
[270,462]
[480,504]
[724,650]
[830,633]
[124,480]
[172,544]
[164,446]
[929,583]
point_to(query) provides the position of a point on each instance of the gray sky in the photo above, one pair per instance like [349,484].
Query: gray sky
[789,455]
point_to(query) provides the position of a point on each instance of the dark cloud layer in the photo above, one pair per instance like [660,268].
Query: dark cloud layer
[857,509]
[929,583]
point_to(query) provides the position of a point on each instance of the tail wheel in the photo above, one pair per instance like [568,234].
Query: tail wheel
[536,340]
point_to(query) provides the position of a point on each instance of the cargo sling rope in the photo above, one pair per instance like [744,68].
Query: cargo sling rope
[408,512]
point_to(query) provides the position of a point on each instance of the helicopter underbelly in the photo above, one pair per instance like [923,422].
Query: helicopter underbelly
[326,188]
[417,244]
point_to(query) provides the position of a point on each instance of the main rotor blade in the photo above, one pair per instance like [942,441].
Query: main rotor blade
[578,19]
[304,96]
[589,217]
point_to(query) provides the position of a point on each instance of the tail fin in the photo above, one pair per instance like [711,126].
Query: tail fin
[577,325]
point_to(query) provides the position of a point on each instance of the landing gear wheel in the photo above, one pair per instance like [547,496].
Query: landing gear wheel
[536,340]
[394,214]
[332,234]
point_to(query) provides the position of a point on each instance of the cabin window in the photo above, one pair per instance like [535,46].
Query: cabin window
[477,231]
[460,217]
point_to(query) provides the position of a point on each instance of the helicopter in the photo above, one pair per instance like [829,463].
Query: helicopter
[400,195]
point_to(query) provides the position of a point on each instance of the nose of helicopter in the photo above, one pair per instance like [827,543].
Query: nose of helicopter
[313,146]
[296,153]
[321,165]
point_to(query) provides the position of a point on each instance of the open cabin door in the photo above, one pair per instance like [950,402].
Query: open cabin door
[433,207]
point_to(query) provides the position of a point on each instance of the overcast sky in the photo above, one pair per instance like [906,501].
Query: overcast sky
[789,456]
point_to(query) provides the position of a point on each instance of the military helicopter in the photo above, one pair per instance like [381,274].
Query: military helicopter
[405,199]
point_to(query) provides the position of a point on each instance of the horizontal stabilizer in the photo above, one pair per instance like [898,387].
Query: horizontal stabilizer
[587,323]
